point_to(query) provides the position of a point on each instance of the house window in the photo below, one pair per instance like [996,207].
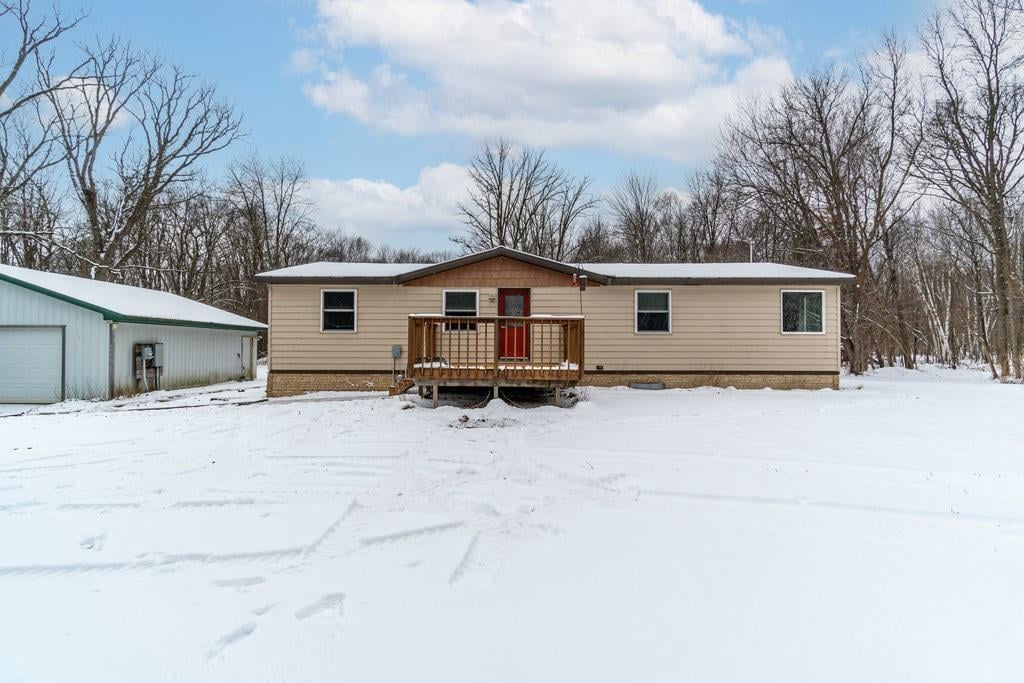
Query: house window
[461,303]
[653,312]
[338,310]
[802,312]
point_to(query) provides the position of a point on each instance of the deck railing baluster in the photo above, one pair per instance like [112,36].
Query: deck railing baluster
[539,349]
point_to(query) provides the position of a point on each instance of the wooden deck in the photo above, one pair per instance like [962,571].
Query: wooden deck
[538,351]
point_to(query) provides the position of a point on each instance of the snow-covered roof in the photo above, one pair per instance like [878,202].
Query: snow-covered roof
[329,269]
[605,273]
[124,303]
[712,271]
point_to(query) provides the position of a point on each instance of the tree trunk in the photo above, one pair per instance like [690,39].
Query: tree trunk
[854,335]
[1008,360]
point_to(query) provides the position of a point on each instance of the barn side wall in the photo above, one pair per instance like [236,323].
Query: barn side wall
[193,356]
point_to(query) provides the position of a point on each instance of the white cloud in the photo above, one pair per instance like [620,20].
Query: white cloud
[85,99]
[305,61]
[652,76]
[422,215]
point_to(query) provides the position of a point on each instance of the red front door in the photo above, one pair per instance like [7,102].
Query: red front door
[514,303]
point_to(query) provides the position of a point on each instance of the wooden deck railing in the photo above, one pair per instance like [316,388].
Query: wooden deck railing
[483,350]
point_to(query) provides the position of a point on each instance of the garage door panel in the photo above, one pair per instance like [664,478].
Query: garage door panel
[30,364]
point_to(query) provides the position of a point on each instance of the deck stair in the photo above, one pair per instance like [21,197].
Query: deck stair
[400,388]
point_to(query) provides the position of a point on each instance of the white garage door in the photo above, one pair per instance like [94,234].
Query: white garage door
[30,364]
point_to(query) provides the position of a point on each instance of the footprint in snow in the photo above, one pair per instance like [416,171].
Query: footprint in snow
[240,582]
[260,611]
[230,639]
[93,542]
[332,602]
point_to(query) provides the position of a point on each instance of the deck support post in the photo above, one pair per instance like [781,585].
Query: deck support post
[435,394]
[557,400]
[495,391]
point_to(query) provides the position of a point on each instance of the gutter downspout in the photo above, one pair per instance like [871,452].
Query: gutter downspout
[111,326]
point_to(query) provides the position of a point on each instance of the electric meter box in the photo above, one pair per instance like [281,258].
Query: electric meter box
[149,365]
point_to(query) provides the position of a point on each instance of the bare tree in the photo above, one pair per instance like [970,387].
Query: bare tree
[150,124]
[637,209]
[26,133]
[598,243]
[975,138]
[271,225]
[520,199]
[713,226]
[32,232]
[345,248]
[553,232]
[388,254]
[184,245]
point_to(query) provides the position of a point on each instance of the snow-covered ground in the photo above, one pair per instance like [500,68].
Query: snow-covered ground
[874,533]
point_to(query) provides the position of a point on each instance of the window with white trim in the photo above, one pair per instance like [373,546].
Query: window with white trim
[653,312]
[460,303]
[803,311]
[338,310]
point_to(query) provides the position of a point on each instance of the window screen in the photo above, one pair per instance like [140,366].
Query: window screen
[802,312]
[339,311]
[652,312]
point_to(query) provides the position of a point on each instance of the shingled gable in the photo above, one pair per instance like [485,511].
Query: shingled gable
[428,274]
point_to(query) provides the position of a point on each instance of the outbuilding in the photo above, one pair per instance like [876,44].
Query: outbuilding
[64,337]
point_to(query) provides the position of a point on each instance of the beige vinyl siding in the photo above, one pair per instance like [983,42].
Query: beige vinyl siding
[714,328]
[382,313]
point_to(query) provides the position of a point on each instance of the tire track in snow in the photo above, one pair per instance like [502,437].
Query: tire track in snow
[15,507]
[219,503]
[174,561]
[834,505]
[99,506]
[38,468]
[460,569]
[412,533]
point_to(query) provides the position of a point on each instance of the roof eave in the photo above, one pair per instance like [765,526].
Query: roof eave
[324,280]
[140,320]
[838,280]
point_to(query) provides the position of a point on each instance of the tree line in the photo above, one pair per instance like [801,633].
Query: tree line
[903,169]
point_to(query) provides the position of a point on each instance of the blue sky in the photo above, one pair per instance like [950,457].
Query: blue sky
[297,71]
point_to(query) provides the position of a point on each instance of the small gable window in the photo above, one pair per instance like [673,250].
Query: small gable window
[338,310]
[802,312]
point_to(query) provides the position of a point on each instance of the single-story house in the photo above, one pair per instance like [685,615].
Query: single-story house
[64,337]
[505,317]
